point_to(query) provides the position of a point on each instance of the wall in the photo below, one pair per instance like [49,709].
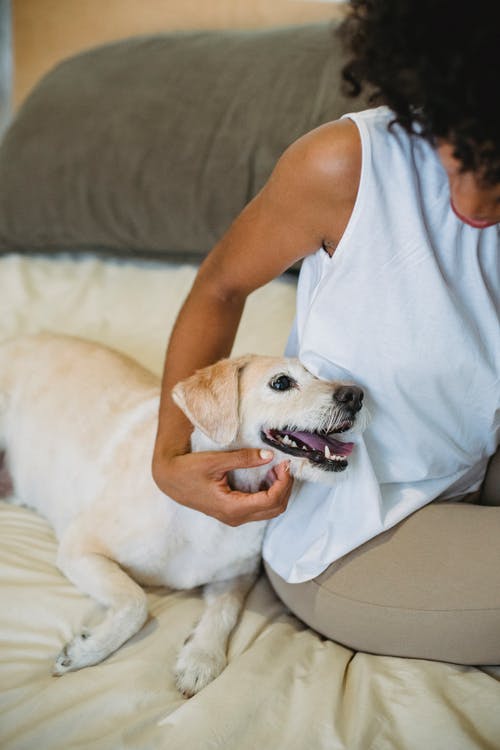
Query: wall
[5,63]
[46,31]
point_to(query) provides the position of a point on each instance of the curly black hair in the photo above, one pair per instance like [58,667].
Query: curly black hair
[435,63]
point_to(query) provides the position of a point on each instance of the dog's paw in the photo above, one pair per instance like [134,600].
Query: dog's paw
[79,652]
[196,668]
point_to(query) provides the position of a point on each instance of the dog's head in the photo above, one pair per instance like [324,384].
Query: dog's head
[256,401]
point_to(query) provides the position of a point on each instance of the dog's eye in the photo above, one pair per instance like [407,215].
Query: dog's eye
[282,383]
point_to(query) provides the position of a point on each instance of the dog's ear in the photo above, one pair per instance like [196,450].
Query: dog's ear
[210,397]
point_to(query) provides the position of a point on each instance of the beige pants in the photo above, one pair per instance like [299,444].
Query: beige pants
[428,588]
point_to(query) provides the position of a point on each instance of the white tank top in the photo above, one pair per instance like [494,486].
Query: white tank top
[407,308]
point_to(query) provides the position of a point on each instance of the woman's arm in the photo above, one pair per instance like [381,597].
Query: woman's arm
[307,201]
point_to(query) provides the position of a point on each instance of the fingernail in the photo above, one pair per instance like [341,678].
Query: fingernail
[266,454]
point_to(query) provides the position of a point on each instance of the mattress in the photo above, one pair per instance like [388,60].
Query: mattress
[285,686]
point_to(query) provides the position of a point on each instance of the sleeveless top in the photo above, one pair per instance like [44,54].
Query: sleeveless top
[407,308]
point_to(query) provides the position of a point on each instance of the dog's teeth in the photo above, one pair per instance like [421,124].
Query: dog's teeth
[287,440]
[327,452]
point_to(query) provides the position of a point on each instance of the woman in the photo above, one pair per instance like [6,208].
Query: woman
[396,213]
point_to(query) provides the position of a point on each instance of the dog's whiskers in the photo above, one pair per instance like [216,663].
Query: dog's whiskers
[332,421]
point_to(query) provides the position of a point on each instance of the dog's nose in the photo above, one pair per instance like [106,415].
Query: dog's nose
[350,396]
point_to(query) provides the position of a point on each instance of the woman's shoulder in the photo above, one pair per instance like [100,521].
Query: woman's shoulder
[327,163]
[328,152]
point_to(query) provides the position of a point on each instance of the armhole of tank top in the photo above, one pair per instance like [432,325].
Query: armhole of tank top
[360,196]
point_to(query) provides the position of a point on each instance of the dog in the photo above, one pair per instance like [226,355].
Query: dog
[77,430]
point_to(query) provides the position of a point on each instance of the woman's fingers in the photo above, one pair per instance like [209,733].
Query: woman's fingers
[200,481]
[244,507]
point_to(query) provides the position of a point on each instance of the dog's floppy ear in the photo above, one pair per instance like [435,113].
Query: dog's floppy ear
[210,397]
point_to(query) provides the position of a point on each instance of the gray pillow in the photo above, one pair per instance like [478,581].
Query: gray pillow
[153,145]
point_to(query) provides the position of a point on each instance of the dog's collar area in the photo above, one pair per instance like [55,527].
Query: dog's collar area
[323,450]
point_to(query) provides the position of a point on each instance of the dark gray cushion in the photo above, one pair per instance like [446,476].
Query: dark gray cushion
[153,145]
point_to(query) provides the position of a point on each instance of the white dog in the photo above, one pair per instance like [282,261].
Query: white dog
[77,429]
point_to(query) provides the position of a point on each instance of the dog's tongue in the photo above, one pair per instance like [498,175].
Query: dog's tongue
[318,442]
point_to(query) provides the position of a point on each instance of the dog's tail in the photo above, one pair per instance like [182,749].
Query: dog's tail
[6,485]
[4,368]
[3,409]
[5,488]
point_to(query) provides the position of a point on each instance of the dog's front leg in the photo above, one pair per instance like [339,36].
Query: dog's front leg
[103,579]
[203,655]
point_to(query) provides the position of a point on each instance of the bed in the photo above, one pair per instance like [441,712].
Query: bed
[87,254]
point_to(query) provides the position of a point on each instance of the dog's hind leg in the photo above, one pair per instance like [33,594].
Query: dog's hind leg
[104,580]
[203,655]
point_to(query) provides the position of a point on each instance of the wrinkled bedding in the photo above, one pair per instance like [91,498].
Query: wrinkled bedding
[285,686]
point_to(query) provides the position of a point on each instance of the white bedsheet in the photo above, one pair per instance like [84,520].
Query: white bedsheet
[285,687]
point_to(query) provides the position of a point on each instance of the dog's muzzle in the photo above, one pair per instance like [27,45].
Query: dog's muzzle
[324,450]
[321,447]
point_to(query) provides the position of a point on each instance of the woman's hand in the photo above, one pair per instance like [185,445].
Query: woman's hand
[200,481]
